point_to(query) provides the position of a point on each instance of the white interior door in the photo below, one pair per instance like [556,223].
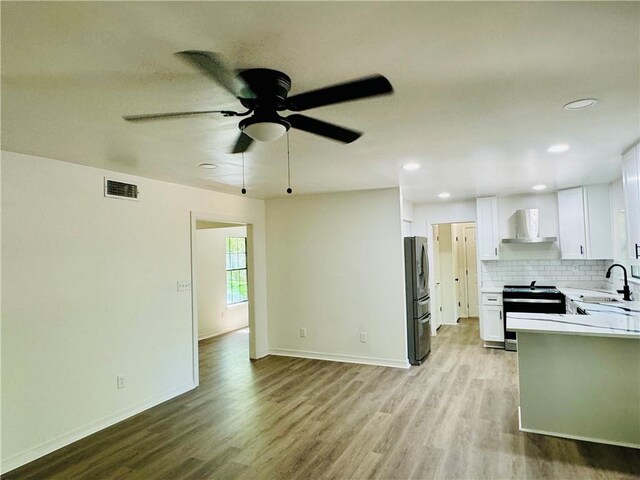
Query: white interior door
[455,260]
[472,270]
[436,301]
[461,273]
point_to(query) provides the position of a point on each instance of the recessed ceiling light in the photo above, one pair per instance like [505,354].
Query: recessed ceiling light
[444,195]
[582,103]
[561,147]
[539,187]
[411,166]
[208,166]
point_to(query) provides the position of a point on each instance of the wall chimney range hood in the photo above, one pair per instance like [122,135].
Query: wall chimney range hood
[527,228]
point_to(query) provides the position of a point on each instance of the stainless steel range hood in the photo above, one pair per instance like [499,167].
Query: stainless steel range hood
[528,228]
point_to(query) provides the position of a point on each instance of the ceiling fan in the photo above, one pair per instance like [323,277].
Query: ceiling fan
[263,92]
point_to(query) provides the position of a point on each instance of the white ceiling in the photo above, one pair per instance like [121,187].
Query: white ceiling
[479,90]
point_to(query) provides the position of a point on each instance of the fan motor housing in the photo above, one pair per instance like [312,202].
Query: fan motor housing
[270,86]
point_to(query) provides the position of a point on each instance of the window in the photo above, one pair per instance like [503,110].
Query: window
[236,270]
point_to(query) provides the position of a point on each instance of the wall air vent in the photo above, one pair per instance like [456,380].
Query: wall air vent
[116,189]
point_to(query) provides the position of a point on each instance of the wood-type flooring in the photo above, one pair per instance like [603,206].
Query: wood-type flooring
[454,417]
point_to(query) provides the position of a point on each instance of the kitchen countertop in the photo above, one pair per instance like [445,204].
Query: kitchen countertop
[597,324]
[491,290]
[576,295]
[605,319]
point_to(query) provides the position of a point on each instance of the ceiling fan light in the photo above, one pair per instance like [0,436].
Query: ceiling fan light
[265,131]
[580,104]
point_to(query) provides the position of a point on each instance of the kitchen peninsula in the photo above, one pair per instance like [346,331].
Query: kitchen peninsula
[580,374]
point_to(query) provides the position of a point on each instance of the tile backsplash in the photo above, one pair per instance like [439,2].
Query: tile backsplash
[578,273]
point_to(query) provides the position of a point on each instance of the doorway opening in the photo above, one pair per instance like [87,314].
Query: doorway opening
[221,270]
[455,272]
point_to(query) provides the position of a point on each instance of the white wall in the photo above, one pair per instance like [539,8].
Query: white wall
[335,267]
[407,218]
[89,293]
[407,211]
[427,214]
[214,315]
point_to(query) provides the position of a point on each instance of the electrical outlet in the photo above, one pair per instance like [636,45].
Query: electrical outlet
[184,285]
[120,381]
[303,332]
[363,337]
[575,268]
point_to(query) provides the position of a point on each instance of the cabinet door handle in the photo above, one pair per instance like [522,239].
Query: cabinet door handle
[500,315]
[581,250]
[496,249]
[637,250]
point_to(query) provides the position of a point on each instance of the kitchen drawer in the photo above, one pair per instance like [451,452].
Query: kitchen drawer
[492,299]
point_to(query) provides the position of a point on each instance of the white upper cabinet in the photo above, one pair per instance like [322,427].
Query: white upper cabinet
[487,228]
[571,224]
[631,183]
[584,218]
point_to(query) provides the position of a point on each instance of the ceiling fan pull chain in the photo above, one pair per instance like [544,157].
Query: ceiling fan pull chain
[289,191]
[244,190]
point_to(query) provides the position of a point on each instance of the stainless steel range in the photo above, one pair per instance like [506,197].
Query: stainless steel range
[529,299]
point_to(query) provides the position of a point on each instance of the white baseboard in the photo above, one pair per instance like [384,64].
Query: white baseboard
[219,334]
[31,454]
[209,335]
[573,437]
[332,357]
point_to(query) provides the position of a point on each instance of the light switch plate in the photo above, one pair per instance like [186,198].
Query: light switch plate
[184,286]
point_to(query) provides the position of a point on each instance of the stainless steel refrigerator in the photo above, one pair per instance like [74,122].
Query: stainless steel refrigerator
[416,268]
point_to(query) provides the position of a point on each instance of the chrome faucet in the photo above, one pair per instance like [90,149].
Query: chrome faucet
[626,293]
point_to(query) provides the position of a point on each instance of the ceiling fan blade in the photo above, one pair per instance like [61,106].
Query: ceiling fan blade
[216,68]
[163,116]
[344,92]
[242,144]
[329,130]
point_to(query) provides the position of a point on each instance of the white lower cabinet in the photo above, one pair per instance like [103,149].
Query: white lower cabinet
[492,324]
[491,317]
